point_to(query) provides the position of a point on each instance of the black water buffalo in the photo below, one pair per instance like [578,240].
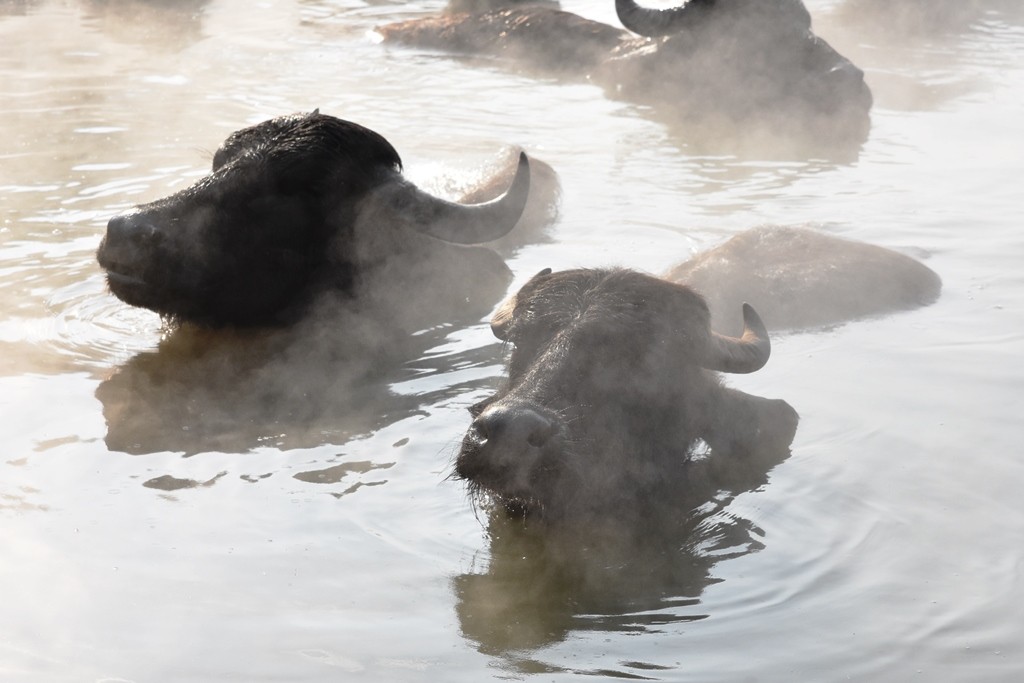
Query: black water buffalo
[612,383]
[750,64]
[799,278]
[301,205]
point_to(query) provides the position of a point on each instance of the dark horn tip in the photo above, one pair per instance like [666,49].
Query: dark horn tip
[474,223]
[744,354]
[752,322]
[523,172]
[756,335]
[519,191]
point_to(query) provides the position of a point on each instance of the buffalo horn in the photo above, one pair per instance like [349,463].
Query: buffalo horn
[464,223]
[744,354]
[655,23]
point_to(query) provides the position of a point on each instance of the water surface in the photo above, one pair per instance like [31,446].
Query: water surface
[157,531]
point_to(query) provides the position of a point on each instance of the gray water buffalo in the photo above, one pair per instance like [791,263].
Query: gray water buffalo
[754,65]
[612,384]
[799,278]
[302,205]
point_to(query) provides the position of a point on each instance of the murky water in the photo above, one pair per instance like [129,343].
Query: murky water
[151,530]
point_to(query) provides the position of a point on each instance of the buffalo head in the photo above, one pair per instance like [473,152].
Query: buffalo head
[740,70]
[293,206]
[752,58]
[612,383]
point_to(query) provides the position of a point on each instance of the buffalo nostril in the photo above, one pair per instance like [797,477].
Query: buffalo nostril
[515,426]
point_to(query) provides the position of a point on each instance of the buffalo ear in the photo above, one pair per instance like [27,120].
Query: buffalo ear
[501,320]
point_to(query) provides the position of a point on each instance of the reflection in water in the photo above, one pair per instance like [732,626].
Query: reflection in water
[232,391]
[757,143]
[736,79]
[874,568]
[20,498]
[168,483]
[544,583]
[332,475]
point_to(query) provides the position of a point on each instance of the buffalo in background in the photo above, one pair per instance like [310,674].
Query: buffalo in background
[799,278]
[612,383]
[304,205]
[747,69]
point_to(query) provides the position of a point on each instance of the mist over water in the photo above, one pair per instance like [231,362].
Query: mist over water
[184,505]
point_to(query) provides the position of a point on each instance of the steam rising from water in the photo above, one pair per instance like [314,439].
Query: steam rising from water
[862,556]
[325,377]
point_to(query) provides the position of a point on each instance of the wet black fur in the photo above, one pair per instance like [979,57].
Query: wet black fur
[604,367]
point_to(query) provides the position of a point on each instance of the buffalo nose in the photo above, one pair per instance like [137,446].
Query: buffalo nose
[132,230]
[514,427]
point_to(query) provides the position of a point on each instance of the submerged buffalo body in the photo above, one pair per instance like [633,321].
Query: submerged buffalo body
[297,206]
[612,383]
[745,61]
[798,278]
